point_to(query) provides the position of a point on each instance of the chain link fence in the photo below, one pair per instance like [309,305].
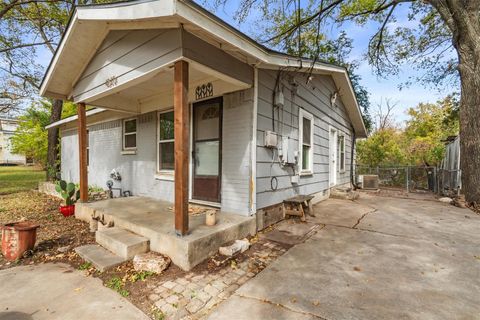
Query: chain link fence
[409,178]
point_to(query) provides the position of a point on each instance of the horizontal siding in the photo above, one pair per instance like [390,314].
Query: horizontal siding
[236,139]
[126,58]
[315,99]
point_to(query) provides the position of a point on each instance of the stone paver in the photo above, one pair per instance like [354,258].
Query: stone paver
[194,296]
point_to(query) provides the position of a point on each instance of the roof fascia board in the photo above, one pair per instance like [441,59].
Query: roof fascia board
[53,64]
[143,10]
[74,118]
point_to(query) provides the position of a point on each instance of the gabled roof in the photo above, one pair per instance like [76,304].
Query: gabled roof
[89,25]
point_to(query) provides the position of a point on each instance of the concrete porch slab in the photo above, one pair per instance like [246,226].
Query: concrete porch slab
[153,219]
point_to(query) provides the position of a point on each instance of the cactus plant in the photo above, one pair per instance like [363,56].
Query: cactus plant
[68,192]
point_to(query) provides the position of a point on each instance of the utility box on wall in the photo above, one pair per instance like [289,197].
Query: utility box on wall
[288,152]
[270,138]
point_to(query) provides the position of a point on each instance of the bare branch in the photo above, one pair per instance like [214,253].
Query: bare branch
[23,45]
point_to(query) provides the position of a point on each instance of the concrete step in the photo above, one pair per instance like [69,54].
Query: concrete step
[123,243]
[101,258]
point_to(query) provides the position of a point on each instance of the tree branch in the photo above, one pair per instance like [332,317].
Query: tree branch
[23,45]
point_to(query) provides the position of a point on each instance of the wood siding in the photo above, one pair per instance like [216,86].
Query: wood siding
[314,98]
[237,133]
[125,56]
[129,55]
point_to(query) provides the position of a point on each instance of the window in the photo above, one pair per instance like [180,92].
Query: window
[166,152]
[306,142]
[341,147]
[129,134]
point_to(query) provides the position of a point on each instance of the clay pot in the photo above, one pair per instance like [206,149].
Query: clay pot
[17,238]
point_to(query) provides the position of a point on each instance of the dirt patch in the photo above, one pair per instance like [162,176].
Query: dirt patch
[58,236]
[55,232]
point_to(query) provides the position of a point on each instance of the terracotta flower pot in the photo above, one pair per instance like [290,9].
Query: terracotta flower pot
[67,211]
[17,238]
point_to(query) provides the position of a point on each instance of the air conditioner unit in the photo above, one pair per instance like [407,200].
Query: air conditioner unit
[369,182]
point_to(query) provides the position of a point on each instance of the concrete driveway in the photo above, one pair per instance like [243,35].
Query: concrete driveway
[375,258]
[56,291]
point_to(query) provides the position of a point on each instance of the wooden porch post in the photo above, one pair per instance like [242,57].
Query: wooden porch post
[182,133]
[82,151]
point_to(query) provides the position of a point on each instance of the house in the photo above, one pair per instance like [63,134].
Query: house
[7,129]
[190,110]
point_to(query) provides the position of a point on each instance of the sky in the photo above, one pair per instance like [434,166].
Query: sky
[379,89]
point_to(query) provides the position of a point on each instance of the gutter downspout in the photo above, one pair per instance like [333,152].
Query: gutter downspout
[352,176]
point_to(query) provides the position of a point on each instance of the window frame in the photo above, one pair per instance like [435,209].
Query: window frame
[341,154]
[168,172]
[302,114]
[124,148]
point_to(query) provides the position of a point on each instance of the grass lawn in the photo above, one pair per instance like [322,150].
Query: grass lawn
[19,178]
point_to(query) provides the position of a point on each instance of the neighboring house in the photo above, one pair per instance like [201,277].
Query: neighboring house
[7,129]
[252,127]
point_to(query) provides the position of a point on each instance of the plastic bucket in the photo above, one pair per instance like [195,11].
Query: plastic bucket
[17,238]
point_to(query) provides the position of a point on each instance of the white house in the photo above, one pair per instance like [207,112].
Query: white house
[189,109]
[7,129]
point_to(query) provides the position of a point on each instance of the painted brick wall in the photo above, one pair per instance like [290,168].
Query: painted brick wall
[105,141]
[138,170]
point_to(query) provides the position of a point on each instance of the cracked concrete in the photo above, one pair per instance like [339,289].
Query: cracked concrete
[376,258]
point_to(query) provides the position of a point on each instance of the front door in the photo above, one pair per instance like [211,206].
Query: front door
[333,157]
[207,150]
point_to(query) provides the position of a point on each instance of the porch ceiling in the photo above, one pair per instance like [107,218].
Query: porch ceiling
[156,92]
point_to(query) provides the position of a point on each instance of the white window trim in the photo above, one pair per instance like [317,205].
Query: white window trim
[340,169]
[162,174]
[301,115]
[128,134]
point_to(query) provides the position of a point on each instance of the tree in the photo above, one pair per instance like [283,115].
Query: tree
[311,43]
[384,147]
[420,142]
[31,137]
[428,126]
[29,28]
[444,40]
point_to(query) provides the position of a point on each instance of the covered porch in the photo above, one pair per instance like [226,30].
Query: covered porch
[153,219]
[140,71]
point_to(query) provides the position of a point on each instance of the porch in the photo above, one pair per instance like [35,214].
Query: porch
[153,219]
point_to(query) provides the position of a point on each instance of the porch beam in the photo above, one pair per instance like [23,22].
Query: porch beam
[182,134]
[82,151]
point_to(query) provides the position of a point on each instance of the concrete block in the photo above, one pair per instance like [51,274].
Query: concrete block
[237,247]
[101,258]
[269,216]
[122,242]
[84,212]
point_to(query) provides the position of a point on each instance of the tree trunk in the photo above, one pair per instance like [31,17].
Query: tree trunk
[470,129]
[53,141]
[463,20]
